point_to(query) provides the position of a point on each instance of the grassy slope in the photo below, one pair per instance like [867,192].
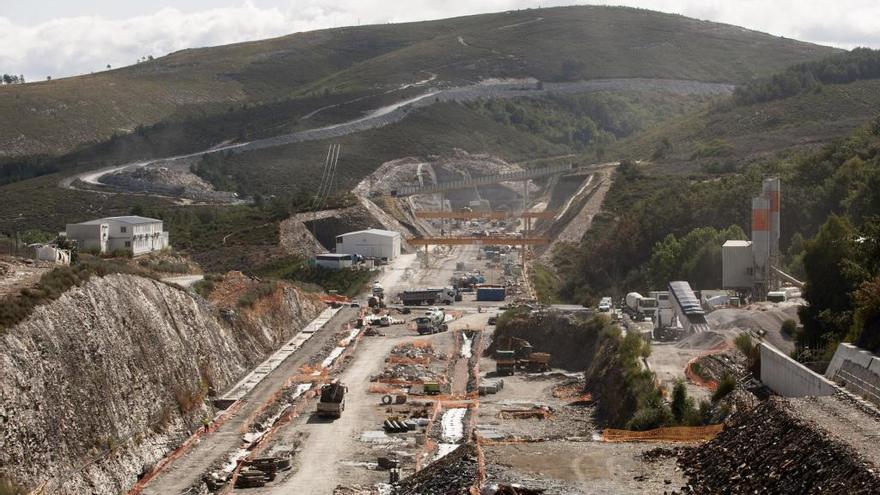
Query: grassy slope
[763,129]
[607,42]
[297,168]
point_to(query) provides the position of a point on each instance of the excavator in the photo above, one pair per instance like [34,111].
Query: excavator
[518,354]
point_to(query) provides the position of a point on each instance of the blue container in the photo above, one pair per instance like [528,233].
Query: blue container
[491,293]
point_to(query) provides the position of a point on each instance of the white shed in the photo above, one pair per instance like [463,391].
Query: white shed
[372,243]
[737,265]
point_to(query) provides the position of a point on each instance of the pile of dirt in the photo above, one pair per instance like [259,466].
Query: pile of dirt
[703,341]
[454,474]
[770,450]
[570,342]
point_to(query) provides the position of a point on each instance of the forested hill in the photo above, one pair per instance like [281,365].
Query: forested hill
[321,68]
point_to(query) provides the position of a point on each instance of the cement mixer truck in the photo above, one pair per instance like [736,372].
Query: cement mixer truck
[639,307]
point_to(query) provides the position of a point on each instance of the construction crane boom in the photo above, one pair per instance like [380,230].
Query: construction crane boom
[478,241]
[490,215]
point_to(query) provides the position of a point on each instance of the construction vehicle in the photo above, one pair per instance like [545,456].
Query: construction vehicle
[332,401]
[416,297]
[433,321]
[378,290]
[518,354]
[505,363]
[640,307]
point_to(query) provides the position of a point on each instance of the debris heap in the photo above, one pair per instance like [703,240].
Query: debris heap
[771,450]
[454,474]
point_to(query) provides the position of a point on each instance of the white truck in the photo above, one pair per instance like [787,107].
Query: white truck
[434,321]
[605,304]
[378,290]
[640,307]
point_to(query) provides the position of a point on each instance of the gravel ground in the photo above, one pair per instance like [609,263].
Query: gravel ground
[573,468]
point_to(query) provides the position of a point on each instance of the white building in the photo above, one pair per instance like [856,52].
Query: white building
[373,243]
[333,261]
[139,235]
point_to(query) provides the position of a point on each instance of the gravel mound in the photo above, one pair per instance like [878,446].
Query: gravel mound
[771,450]
[454,474]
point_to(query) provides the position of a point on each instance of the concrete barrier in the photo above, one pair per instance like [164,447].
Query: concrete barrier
[857,370]
[789,378]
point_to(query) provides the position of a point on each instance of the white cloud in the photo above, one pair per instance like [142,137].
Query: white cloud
[75,45]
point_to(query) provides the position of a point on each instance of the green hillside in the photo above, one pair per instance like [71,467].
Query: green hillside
[721,140]
[338,65]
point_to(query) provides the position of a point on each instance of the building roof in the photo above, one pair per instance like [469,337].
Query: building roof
[737,243]
[130,219]
[384,233]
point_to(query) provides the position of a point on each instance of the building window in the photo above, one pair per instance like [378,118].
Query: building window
[127,243]
[123,229]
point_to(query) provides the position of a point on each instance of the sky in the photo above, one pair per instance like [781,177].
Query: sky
[67,37]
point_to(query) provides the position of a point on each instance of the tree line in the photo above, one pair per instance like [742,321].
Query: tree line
[12,79]
[860,63]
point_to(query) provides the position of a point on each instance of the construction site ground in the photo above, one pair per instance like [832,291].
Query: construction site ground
[562,453]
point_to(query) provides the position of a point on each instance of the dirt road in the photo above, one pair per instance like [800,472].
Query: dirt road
[216,447]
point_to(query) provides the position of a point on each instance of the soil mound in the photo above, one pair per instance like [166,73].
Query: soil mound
[770,450]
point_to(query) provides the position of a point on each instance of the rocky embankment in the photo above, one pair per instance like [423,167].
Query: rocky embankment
[105,381]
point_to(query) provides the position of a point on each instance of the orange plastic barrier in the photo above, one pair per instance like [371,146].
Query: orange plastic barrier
[667,434]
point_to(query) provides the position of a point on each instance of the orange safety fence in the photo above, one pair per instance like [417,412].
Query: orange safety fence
[696,379]
[664,434]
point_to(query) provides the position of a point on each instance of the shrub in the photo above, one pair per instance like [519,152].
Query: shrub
[256,293]
[725,387]
[653,414]
[744,343]
[788,328]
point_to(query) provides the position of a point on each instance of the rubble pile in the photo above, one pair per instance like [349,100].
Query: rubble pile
[407,373]
[769,449]
[454,474]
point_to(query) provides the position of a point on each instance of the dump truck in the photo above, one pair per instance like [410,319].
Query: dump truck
[332,401]
[518,354]
[417,297]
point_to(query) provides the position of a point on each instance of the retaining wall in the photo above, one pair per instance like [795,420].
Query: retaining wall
[857,370]
[789,378]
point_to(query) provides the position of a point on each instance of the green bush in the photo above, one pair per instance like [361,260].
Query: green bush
[725,386]
[744,343]
[653,414]
[254,294]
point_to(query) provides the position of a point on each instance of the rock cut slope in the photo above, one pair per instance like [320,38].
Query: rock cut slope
[101,383]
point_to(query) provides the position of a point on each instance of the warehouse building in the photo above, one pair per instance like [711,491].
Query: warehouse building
[370,243]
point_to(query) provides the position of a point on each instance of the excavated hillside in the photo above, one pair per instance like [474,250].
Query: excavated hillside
[103,382]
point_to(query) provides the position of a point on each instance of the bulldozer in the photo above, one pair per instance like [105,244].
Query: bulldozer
[518,354]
